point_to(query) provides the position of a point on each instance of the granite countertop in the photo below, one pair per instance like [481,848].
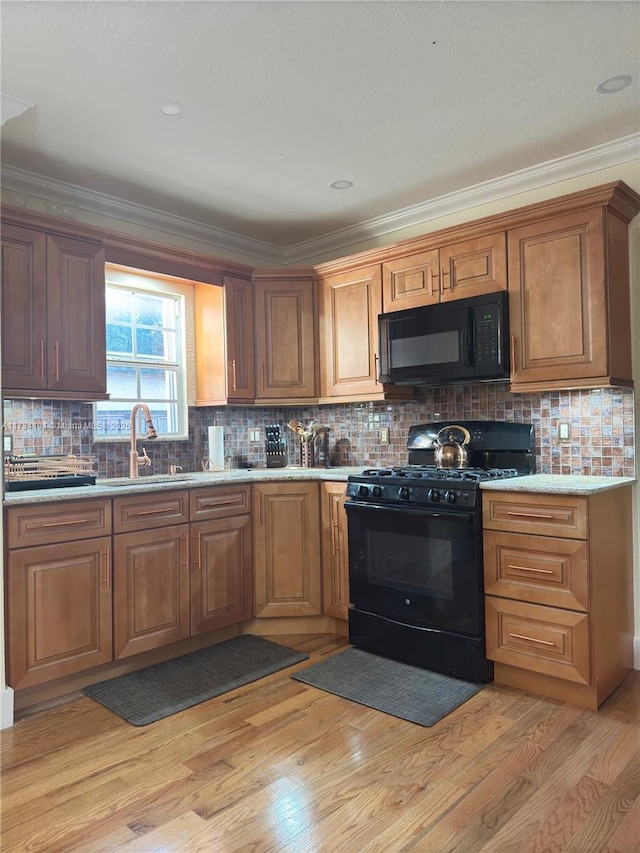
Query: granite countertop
[123,486]
[558,484]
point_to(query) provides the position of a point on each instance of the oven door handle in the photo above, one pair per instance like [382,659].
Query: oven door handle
[422,513]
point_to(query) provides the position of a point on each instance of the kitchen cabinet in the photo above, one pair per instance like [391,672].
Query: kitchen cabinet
[285,310]
[53,310]
[151,584]
[59,597]
[335,556]
[221,558]
[558,592]
[286,542]
[350,303]
[224,333]
[467,268]
[569,302]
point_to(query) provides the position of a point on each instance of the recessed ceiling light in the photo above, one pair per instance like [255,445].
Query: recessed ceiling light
[613,84]
[341,185]
[172,110]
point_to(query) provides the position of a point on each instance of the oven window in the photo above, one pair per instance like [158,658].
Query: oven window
[413,565]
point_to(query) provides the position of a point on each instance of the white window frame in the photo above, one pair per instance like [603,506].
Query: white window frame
[141,281]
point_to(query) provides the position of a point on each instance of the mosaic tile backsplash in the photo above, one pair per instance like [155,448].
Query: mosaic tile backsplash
[602,430]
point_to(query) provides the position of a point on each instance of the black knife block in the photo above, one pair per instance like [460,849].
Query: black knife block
[275,447]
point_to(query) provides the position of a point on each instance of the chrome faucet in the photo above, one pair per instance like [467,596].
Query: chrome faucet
[135,461]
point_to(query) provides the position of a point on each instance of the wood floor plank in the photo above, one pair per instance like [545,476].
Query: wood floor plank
[280,766]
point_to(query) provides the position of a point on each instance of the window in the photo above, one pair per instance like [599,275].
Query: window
[145,355]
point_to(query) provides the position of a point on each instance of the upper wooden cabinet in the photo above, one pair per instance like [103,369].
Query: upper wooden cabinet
[53,316]
[350,303]
[569,302]
[224,343]
[468,268]
[285,338]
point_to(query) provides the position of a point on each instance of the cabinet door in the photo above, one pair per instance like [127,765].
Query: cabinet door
[557,304]
[411,282]
[240,342]
[286,540]
[474,267]
[224,343]
[76,331]
[24,309]
[350,305]
[285,340]
[151,589]
[222,573]
[59,610]
[335,556]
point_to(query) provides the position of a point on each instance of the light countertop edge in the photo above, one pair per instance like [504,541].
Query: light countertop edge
[558,484]
[123,486]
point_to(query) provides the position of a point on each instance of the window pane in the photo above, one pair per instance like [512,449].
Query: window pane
[165,417]
[113,419]
[122,381]
[155,344]
[119,305]
[149,310]
[157,384]
[119,339]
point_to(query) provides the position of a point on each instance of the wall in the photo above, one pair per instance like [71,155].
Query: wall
[602,429]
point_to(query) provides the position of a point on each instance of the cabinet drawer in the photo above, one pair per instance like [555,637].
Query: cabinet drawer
[544,515]
[57,522]
[542,570]
[141,512]
[539,639]
[219,502]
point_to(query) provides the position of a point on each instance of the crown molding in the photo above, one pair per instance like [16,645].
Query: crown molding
[553,171]
[10,106]
[68,197]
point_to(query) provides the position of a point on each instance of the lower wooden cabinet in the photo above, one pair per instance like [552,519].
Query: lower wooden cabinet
[335,557]
[286,541]
[59,610]
[558,587]
[151,589]
[222,573]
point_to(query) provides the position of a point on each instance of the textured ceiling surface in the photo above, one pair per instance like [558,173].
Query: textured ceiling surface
[409,100]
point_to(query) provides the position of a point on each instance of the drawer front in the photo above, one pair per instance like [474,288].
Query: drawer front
[219,502]
[145,511]
[539,639]
[539,569]
[543,515]
[49,523]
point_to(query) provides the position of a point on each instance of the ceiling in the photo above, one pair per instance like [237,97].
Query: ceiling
[410,101]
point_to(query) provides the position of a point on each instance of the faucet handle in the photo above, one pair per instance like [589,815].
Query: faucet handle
[144,459]
[175,469]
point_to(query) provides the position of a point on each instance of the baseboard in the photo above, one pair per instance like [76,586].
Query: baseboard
[636,652]
[6,707]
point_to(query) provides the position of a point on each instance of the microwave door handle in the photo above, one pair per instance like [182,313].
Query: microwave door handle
[469,348]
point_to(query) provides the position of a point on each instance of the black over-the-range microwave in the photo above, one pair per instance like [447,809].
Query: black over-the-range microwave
[457,341]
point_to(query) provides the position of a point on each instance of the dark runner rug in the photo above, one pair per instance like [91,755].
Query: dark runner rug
[413,694]
[165,688]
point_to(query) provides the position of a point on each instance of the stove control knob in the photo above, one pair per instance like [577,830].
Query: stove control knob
[377,491]
[404,493]
[433,495]
[450,497]
[363,491]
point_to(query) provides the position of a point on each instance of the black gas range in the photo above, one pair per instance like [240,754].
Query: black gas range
[415,548]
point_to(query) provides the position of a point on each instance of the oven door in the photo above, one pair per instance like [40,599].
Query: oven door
[420,566]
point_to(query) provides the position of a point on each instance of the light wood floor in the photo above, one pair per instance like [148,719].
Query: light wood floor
[278,766]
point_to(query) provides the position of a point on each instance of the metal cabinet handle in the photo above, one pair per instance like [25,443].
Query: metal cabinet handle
[529,569]
[528,514]
[42,360]
[233,372]
[107,567]
[150,511]
[185,544]
[532,639]
[512,344]
[196,550]
[63,523]
[56,353]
